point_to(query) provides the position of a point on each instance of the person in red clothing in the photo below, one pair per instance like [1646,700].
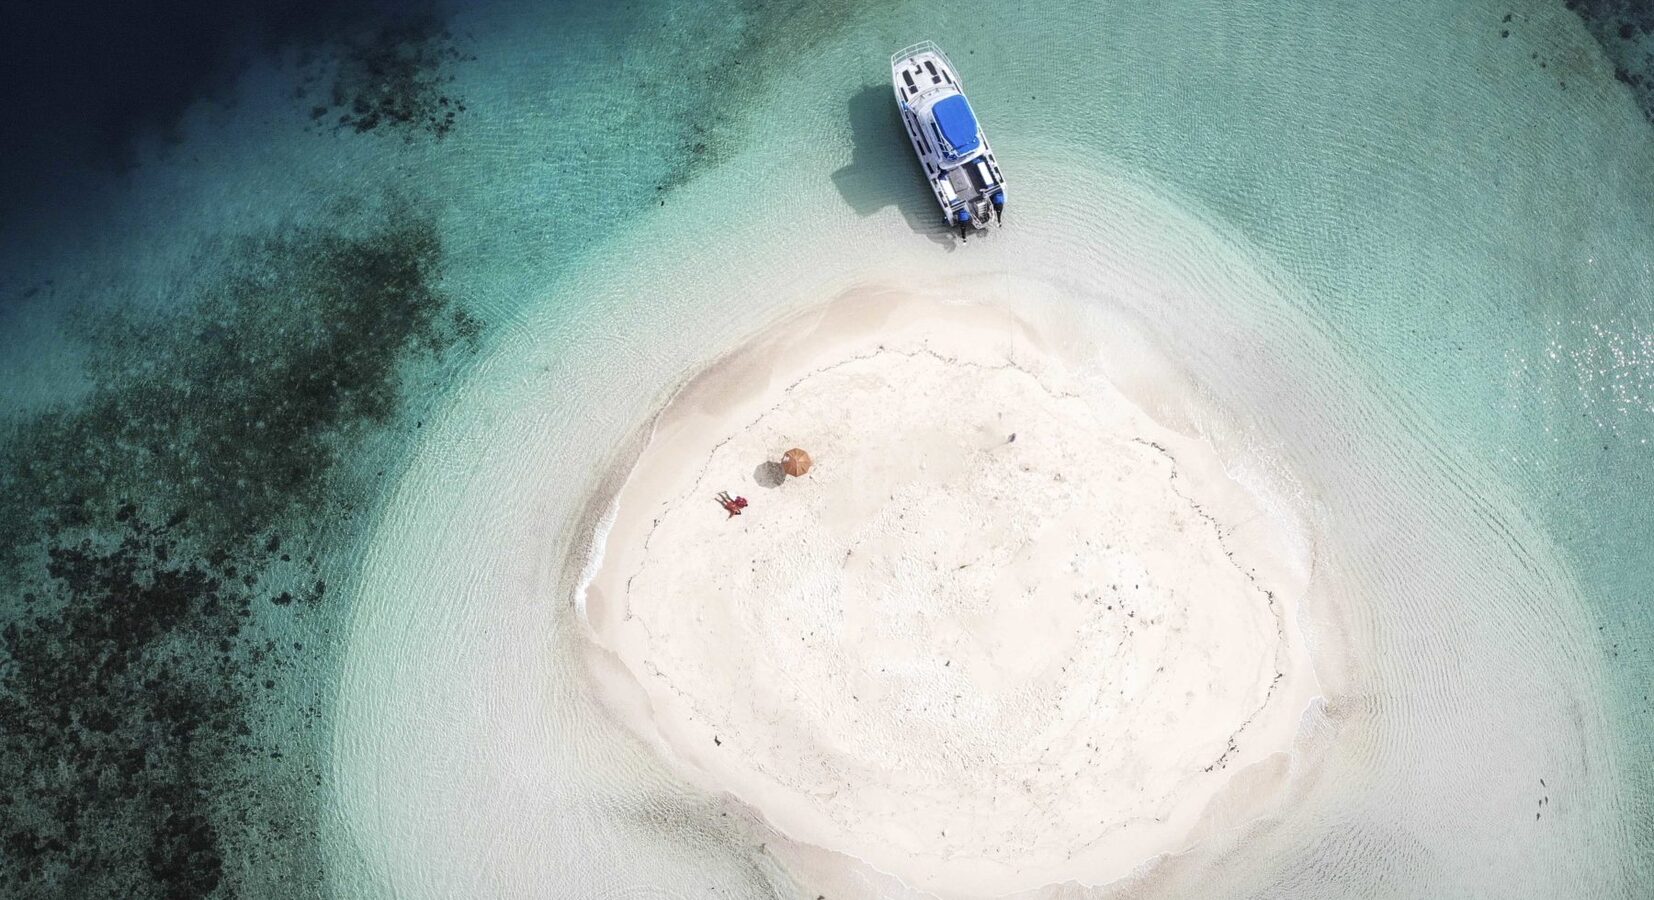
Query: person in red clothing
[731,505]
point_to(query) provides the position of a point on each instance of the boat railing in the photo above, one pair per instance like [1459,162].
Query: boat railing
[922,48]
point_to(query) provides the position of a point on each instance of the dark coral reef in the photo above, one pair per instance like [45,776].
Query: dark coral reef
[161,573]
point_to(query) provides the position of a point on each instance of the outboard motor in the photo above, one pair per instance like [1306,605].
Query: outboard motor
[999,207]
[964,224]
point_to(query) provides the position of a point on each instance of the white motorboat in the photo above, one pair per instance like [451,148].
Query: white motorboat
[958,163]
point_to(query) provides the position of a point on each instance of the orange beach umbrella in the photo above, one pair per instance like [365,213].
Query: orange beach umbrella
[795,462]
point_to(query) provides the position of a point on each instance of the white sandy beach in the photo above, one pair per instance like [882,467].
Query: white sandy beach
[1009,631]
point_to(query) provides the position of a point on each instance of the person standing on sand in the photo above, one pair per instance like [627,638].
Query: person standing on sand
[731,505]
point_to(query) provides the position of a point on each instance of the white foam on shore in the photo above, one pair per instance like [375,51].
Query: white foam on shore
[594,555]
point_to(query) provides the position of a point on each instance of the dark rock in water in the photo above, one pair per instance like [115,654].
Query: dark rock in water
[1618,26]
[394,76]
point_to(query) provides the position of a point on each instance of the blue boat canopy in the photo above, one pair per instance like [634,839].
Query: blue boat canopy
[957,122]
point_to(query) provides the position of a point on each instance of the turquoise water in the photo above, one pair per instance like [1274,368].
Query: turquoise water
[360,385]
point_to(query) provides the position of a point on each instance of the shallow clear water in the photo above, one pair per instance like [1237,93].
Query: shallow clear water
[361,384]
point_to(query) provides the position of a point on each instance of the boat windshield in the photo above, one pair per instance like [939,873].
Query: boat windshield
[957,123]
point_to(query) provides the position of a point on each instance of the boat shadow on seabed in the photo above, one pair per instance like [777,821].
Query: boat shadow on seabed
[881,171]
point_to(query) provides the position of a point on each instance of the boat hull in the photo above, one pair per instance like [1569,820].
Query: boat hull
[958,162]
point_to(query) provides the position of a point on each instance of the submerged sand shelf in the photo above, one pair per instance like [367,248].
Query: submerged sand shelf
[1009,631]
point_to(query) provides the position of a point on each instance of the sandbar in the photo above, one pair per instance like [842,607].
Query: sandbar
[1010,630]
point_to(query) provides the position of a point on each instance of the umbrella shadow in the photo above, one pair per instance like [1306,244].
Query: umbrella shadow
[882,170]
[769,474]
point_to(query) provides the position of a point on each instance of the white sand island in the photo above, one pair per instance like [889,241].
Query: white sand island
[1009,631]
